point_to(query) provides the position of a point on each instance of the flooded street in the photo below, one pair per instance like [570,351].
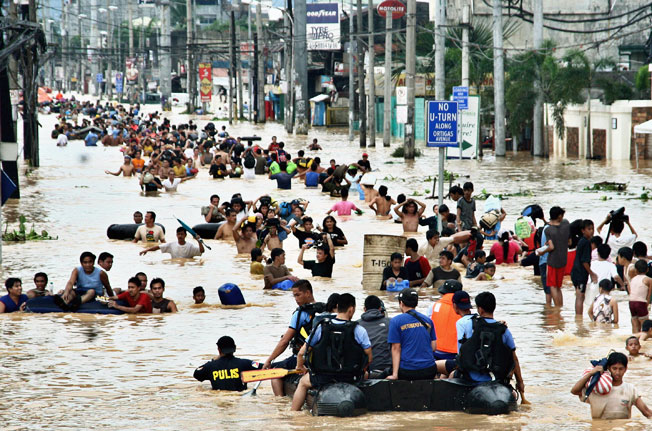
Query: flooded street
[75,371]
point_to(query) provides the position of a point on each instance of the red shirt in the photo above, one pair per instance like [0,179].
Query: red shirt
[143,299]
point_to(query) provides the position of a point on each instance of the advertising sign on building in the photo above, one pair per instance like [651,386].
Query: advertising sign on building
[205,82]
[323,26]
[118,82]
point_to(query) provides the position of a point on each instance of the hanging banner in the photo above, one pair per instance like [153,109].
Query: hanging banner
[118,82]
[323,26]
[205,82]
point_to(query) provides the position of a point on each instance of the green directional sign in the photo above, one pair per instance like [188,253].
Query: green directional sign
[466,145]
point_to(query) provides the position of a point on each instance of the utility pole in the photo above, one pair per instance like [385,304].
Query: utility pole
[82,52]
[289,127]
[190,71]
[301,67]
[351,77]
[250,59]
[537,135]
[254,79]
[466,25]
[372,77]
[95,46]
[499,81]
[232,72]
[387,104]
[260,87]
[130,26]
[410,69]
[63,45]
[440,84]
[165,65]
[143,53]
[238,65]
[30,95]
[109,49]
[362,101]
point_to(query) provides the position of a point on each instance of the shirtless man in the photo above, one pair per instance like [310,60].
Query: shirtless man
[272,240]
[382,203]
[127,169]
[245,238]
[410,218]
[225,231]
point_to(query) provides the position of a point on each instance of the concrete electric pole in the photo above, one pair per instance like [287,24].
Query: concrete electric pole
[537,135]
[410,70]
[362,98]
[372,79]
[499,81]
[301,67]
[166,52]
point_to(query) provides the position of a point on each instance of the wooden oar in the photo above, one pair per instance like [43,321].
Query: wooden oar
[269,374]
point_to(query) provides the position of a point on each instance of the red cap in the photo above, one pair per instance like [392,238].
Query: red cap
[365,155]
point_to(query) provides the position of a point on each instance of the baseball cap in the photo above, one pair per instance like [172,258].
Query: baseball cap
[450,286]
[462,300]
[365,155]
[226,344]
[409,297]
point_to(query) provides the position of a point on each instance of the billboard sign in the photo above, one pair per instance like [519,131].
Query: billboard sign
[323,26]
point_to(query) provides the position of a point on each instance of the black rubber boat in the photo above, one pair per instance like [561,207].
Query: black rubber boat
[343,399]
[45,304]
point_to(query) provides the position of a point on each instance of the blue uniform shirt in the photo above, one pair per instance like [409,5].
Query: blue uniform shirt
[415,341]
[465,330]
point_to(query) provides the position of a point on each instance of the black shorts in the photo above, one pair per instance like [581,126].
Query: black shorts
[580,286]
[81,293]
[450,364]
[422,374]
[287,363]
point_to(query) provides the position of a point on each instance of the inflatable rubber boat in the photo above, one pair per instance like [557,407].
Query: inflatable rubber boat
[45,304]
[343,399]
[207,230]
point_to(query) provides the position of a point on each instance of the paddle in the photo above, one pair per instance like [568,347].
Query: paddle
[191,232]
[269,374]
[252,393]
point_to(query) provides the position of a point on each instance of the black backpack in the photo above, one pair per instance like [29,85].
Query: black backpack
[337,352]
[249,160]
[485,351]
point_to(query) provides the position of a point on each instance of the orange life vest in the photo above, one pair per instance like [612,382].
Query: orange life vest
[445,318]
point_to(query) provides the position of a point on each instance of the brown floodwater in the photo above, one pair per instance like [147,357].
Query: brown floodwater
[75,371]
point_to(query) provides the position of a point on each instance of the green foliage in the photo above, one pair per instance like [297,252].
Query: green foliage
[614,90]
[22,234]
[400,152]
[643,79]
[484,194]
[607,186]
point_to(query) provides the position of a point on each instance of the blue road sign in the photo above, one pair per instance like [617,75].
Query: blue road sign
[118,82]
[461,96]
[441,124]
[99,77]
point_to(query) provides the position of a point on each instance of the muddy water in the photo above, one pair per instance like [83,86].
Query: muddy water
[122,372]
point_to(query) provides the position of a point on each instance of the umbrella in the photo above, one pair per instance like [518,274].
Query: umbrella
[192,232]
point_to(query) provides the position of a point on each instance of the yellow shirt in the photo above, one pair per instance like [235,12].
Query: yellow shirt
[179,171]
